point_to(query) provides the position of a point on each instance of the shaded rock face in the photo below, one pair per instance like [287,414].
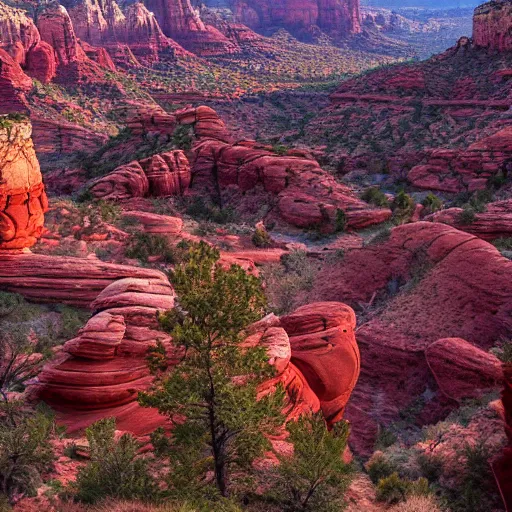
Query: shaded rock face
[181,22]
[491,25]
[18,34]
[22,196]
[100,372]
[459,289]
[14,83]
[167,174]
[337,17]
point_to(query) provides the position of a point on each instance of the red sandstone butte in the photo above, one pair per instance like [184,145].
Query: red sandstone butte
[22,196]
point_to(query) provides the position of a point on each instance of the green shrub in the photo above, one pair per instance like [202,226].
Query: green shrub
[394,489]
[144,245]
[432,203]
[477,490]
[114,470]
[314,478]
[379,467]
[182,138]
[341,222]
[261,238]
[25,450]
[503,351]
[403,207]
[199,209]
[467,216]
[374,195]
[431,466]
[503,244]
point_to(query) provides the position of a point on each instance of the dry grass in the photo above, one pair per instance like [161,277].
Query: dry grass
[417,504]
[122,506]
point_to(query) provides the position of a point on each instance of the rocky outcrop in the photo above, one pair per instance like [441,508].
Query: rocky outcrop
[324,349]
[491,25]
[336,17]
[247,175]
[429,281]
[157,224]
[495,222]
[181,22]
[62,279]
[14,84]
[462,370]
[56,29]
[41,62]
[56,136]
[166,174]
[100,372]
[22,196]
[105,24]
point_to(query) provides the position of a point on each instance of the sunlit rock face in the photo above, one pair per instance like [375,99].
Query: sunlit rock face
[22,197]
[491,25]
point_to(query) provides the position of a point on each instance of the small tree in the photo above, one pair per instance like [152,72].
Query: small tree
[315,478]
[211,396]
[25,451]
[18,361]
[115,470]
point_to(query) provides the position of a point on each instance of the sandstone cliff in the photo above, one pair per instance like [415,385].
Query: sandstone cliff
[492,24]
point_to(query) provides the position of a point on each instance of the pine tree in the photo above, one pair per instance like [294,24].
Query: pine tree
[211,396]
[316,477]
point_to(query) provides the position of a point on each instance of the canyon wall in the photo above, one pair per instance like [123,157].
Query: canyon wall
[337,17]
[492,25]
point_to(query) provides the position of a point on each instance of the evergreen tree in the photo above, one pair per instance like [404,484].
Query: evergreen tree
[211,396]
[316,477]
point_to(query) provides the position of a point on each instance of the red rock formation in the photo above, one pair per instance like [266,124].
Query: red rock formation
[503,465]
[13,85]
[158,224]
[181,22]
[324,349]
[102,370]
[495,222]
[99,55]
[56,29]
[22,197]
[64,280]
[41,62]
[459,288]
[455,171]
[248,175]
[491,25]
[337,17]
[57,136]
[105,24]
[18,34]
[166,174]
[462,370]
